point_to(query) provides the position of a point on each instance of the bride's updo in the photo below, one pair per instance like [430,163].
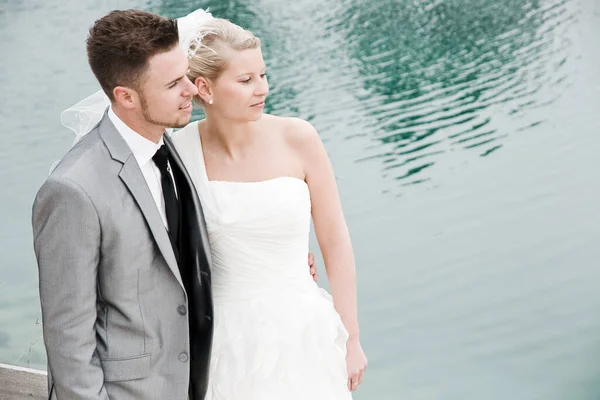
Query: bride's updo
[207,58]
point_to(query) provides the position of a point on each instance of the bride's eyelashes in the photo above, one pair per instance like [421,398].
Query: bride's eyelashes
[263,76]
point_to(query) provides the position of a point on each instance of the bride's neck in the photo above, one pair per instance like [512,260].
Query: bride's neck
[233,137]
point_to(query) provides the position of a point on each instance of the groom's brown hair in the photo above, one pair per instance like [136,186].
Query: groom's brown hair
[121,43]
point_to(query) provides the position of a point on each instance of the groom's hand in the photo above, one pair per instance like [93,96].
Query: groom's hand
[313,268]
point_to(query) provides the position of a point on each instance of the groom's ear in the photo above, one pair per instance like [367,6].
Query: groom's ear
[204,90]
[125,97]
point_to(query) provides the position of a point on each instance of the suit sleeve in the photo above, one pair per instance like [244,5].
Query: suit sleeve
[67,234]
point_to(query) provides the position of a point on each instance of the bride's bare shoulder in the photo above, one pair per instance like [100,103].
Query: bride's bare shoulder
[296,131]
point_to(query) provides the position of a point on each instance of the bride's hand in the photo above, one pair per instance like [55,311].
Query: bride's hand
[356,363]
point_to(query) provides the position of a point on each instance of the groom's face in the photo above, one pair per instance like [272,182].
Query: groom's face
[166,95]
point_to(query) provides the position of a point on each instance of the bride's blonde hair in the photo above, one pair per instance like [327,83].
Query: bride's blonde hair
[208,60]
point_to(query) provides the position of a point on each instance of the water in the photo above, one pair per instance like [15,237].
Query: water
[463,135]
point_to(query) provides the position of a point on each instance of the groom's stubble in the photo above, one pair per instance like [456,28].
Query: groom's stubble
[180,122]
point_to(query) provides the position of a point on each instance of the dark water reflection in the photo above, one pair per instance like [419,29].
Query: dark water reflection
[438,72]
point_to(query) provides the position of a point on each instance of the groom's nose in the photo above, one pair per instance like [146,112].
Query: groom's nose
[189,89]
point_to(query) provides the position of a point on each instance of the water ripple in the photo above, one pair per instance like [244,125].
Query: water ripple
[444,75]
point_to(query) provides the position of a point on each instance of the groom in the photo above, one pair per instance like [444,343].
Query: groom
[119,235]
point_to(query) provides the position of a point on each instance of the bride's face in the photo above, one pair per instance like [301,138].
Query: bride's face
[240,91]
[166,95]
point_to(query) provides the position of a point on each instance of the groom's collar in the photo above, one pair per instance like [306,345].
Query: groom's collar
[116,145]
[143,149]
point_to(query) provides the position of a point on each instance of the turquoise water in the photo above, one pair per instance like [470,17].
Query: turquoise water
[464,136]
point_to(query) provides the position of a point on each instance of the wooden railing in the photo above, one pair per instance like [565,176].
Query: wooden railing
[18,383]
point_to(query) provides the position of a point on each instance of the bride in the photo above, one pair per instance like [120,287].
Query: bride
[260,178]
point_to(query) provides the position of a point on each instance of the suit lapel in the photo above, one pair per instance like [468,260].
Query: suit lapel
[178,163]
[132,177]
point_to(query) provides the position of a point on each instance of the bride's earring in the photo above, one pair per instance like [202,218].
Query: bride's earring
[210,101]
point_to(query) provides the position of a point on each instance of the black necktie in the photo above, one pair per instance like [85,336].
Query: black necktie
[161,158]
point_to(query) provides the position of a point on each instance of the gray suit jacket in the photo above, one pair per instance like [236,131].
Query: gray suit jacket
[117,318]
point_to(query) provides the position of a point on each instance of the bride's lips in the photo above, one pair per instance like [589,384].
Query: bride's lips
[259,104]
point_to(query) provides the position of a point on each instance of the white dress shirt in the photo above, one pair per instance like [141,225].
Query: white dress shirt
[143,150]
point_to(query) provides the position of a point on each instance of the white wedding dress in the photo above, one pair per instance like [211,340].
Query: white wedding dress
[277,335]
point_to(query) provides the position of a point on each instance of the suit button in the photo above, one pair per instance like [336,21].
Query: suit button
[181,310]
[183,357]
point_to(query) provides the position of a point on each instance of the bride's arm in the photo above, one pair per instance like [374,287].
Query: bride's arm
[333,237]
